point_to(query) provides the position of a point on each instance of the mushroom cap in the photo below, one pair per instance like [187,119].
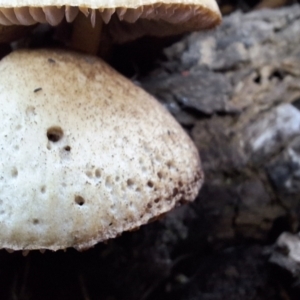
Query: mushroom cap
[85,154]
[150,17]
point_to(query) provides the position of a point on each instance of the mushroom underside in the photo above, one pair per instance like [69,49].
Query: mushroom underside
[154,19]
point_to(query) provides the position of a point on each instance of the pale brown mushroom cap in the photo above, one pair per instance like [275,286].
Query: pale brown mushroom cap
[130,19]
[85,154]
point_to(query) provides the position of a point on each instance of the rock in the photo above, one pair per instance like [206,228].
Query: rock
[286,253]
[284,173]
[203,91]
[272,131]
[256,212]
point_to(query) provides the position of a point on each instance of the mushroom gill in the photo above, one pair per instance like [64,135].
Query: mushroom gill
[173,13]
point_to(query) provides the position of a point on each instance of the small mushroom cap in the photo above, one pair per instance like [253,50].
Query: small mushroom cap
[85,154]
[129,18]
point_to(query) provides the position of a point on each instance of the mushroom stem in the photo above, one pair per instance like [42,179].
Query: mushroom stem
[86,34]
[13,32]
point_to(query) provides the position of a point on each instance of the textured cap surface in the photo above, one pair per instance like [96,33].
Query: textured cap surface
[152,17]
[85,154]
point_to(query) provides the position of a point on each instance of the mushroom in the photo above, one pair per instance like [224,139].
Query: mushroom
[183,15]
[127,20]
[85,154]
